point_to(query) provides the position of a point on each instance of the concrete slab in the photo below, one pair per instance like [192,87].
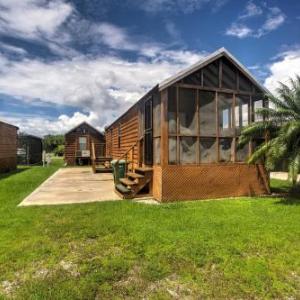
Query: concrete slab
[73,185]
[281,176]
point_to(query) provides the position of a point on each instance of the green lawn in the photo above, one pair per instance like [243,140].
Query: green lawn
[238,249]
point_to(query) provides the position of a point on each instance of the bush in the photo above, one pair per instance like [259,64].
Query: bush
[59,150]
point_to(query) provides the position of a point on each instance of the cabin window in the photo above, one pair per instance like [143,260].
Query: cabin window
[225,102]
[242,154]
[83,143]
[208,150]
[242,111]
[211,75]
[188,150]
[187,111]
[156,146]
[244,84]
[172,150]
[119,136]
[207,112]
[226,149]
[229,75]
[172,110]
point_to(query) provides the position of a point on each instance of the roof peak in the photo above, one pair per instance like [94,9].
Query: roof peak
[205,61]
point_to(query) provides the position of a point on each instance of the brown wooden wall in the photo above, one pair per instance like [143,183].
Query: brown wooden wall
[71,143]
[8,147]
[209,181]
[129,135]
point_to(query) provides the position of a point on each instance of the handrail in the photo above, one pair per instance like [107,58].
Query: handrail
[93,157]
[125,156]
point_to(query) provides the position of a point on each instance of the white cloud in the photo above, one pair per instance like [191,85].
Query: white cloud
[104,85]
[12,49]
[239,30]
[100,86]
[251,10]
[287,65]
[273,19]
[33,18]
[184,6]
[41,126]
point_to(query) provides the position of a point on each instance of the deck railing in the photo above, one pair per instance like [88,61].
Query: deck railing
[129,157]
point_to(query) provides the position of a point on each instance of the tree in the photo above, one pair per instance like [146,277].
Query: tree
[59,150]
[52,141]
[281,128]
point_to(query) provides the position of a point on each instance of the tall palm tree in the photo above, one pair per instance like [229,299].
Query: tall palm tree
[281,128]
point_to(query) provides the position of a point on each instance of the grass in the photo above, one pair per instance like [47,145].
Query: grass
[239,249]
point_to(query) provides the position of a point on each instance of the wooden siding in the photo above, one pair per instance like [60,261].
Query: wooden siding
[128,125]
[212,181]
[71,143]
[8,147]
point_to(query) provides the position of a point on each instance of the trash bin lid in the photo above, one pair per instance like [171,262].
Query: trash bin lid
[122,161]
[113,162]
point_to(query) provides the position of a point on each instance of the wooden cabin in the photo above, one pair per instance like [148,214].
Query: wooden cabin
[30,149]
[180,139]
[78,144]
[8,147]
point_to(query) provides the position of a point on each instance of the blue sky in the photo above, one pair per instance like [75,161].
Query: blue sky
[63,62]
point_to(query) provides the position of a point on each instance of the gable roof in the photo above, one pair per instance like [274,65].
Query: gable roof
[198,65]
[207,60]
[9,124]
[84,123]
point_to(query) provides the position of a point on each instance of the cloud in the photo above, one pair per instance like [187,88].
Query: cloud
[40,126]
[273,18]
[287,65]
[33,18]
[177,6]
[106,85]
[251,10]
[239,30]
[12,49]
[99,86]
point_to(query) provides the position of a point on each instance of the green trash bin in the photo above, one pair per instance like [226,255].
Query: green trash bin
[122,166]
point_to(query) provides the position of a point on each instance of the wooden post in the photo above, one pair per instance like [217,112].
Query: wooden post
[164,149]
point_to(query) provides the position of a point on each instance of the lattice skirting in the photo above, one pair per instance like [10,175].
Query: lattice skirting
[173,183]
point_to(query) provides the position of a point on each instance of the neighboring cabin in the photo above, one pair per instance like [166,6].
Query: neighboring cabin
[78,144]
[8,147]
[185,132]
[30,149]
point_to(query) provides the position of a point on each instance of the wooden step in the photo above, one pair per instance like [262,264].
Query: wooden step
[123,189]
[135,175]
[143,170]
[127,182]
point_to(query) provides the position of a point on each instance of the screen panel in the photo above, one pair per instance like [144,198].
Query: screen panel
[188,150]
[208,150]
[207,113]
[187,111]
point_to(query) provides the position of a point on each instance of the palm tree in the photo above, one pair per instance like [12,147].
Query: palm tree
[281,129]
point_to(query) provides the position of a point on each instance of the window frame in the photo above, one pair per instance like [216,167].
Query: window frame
[234,136]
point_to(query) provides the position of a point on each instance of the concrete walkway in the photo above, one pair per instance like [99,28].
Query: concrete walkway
[281,176]
[73,185]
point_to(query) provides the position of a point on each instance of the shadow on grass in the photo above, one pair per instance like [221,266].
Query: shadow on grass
[289,200]
[16,171]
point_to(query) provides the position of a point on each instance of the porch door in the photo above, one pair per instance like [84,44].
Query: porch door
[148,133]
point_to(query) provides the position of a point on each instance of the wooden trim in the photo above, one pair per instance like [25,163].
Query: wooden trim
[211,89]
[220,73]
[217,125]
